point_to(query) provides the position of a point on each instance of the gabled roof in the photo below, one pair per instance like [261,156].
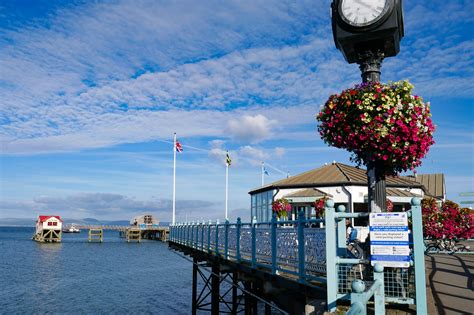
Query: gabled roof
[43,218]
[309,192]
[394,192]
[334,174]
[434,184]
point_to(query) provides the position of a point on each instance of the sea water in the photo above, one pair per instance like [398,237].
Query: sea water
[77,277]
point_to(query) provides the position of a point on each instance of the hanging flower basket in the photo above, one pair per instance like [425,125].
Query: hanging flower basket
[379,123]
[319,207]
[281,207]
[446,222]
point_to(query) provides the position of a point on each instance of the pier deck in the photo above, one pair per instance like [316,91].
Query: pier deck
[160,233]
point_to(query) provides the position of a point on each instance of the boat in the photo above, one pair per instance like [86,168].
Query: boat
[71,229]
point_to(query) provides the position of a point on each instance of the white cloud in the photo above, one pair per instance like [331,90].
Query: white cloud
[255,156]
[125,72]
[251,129]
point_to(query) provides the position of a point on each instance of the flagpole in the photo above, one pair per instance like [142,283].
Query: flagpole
[226,187]
[263,173]
[173,220]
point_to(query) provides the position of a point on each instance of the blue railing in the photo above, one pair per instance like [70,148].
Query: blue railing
[291,247]
[312,250]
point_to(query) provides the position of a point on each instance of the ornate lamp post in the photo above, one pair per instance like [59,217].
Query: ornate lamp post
[366,32]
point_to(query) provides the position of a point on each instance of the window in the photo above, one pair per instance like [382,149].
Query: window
[269,205]
[361,207]
[50,223]
[261,206]
[264,206]
[253,211]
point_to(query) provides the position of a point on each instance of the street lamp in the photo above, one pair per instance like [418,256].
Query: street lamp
[366,32]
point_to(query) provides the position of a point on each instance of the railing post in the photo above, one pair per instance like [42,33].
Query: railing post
[187,234]
[192,234]
[196,241]
[419,261]
[202,235]
[178,233]
[301,258]
[331,268]
[274,243]
[358,301]
[226,240]
[341,234]
[237,242]
[379,295]
[254,245]
[217,239]
[209,237]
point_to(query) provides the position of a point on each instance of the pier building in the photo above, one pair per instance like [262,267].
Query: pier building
[48,229]
[346,185]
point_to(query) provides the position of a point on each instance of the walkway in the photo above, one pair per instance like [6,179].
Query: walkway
[450,287]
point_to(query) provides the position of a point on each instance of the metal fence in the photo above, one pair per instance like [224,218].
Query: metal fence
[286,247]
[303,250]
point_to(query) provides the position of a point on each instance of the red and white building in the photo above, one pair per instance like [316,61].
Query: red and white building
[48,222]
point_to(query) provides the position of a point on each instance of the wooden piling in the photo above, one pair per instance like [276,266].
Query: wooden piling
[96,235]
[48,236]
[134,234]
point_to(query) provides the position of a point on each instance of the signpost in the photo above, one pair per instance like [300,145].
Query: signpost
[389,239]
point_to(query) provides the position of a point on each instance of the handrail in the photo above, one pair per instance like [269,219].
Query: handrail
[193,235]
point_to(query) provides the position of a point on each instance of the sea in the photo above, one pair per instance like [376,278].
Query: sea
[78,277]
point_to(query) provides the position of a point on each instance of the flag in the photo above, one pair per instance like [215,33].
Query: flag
[265,171]
[228,161]
[179,148]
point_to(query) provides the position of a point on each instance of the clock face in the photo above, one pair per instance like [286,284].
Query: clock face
[363,12]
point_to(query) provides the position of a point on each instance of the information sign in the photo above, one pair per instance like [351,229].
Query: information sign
[389,239]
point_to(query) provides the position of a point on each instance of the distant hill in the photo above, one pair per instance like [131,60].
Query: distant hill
[17,222]
[85,221]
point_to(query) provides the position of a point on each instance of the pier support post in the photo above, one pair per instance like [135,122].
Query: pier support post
[250,301]
[235,282]
[215,286]
[194,297]
[96,235]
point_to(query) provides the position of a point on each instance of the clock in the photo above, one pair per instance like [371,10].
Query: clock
[364,13]
[359,26]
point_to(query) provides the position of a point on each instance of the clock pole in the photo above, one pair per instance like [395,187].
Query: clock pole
[370,64]
[367,33]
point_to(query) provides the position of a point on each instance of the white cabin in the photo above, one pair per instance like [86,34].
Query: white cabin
[49,222]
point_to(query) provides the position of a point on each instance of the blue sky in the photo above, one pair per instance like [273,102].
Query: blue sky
[92,91]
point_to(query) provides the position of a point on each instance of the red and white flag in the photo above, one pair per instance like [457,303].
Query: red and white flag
[178,146]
